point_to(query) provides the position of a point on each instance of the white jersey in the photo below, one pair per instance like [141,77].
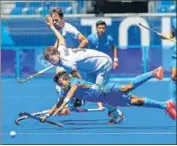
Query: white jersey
[84,60]
[70,34]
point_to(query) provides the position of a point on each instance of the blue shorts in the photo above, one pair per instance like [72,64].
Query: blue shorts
[115,97]
[173,57]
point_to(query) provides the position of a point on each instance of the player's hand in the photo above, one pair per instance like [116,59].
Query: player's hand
[115,64]
[49,21]
[162,36]
[43,118]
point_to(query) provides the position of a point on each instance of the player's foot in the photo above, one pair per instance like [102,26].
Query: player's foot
[170,109]
[158,73]
[116,120]
[173,104]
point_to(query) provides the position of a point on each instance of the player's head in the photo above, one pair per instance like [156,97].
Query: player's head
[100,27]
[57,16]
[52,55]
[63,80]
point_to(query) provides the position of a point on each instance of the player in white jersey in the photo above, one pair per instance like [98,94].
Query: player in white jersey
[73,37]
[76,60]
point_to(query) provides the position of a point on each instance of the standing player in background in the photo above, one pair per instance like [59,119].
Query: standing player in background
[73,37]
[103,42]
[173,62]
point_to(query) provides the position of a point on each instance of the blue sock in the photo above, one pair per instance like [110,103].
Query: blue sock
[115,111]
[173,91]
[154,104]
[137,81]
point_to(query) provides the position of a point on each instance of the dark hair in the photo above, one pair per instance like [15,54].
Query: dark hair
[61,74]
[56,10]
[100,22]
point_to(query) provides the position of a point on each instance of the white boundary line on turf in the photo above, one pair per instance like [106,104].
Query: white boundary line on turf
[132,133]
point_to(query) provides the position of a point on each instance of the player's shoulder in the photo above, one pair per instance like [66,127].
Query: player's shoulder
[91,36]
[76,81]
[109,37]
[69,25]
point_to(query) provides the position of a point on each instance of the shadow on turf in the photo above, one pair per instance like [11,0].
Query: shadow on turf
[97,124]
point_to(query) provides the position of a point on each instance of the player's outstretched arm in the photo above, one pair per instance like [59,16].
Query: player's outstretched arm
[83,41]
[170,36]
[67,99]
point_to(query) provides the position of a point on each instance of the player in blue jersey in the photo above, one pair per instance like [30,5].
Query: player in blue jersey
[103,42]
[111,94]
[173,61]
[78,60]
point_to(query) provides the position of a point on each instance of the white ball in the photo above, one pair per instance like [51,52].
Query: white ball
[12,133]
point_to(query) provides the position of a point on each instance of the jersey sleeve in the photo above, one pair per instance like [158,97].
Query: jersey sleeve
[173,24]
[76,81]
[60,92]
[111,40]
[73,30]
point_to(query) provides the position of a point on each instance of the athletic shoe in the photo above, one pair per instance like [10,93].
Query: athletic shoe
[170,109]
[158,73]
[116,120]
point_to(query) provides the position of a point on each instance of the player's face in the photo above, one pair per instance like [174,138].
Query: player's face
[58,21]
[63,83]
[54,59]
[101,29]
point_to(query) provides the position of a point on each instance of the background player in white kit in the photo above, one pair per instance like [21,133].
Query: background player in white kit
[73,38]
[76,60]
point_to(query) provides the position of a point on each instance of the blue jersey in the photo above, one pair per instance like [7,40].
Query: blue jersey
[109,93]
[103,44]
[92,94]
[174,55]
[173,26]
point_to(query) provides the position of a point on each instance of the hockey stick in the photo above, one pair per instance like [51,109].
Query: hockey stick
[156,32]
[38,119]
[34,75]
[23,117]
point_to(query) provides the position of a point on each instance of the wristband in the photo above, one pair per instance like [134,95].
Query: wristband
[66,100]
[52,27]
[47,115]
[115,59]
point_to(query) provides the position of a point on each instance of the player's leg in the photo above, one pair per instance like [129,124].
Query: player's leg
[115,113]
[173,77]
[173,85]
[139,80]
[150,103]
[91,77]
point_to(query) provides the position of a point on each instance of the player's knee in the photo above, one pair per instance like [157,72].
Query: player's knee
[126,88]
[137,102]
